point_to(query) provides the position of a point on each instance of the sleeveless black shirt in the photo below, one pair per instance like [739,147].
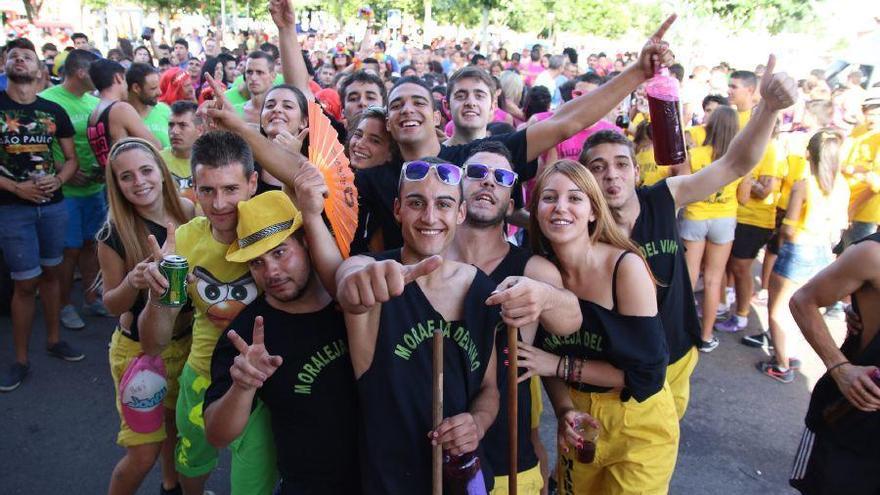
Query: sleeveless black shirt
[856,431]
[396,391]
[99,135]
[656,233]
[496,443]
[635,345]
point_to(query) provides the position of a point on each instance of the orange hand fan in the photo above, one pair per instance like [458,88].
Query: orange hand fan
[328,154]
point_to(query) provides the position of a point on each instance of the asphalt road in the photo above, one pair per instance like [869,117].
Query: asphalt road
[58,430]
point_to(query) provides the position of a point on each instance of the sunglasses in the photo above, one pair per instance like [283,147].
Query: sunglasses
[417,170]
[503,177]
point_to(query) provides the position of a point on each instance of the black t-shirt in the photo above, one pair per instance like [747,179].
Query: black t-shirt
[377,188]
[855,430]
[110,236]
[311,397]
[396,391]
[26,136]
[496,443]
[656,233]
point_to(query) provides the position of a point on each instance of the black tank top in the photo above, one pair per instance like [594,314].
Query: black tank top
[856,431]
[396,391]
[635,345]
[496,443]
[99,135]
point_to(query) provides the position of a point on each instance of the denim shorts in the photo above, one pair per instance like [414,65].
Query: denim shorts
[85,216]
[800,262]
[31,237]
[714,230]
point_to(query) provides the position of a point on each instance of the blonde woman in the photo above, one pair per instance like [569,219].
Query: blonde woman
[143,201]
[612,372]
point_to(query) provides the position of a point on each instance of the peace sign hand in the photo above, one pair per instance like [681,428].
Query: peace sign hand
[253,365]
[219,112]
[778,91]
[153,276]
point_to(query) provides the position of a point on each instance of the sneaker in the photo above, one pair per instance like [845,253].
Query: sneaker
[177,490]
[96,308]
[722,309]
[772,370]
[13,377]
[730,325]
[794,363]
[758,340]
[729,296]
[708,346]
[70,319]
[63,350]
[762,297]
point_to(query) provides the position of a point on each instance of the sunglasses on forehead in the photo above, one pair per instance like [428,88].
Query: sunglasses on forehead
[417,170]
[478,171]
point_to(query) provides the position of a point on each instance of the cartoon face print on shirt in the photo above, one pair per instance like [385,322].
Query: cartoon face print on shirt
[224,300]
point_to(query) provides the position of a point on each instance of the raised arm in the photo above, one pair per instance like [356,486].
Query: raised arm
[310,190]
[293,65]
[857,266]
[584,111]
[778,91]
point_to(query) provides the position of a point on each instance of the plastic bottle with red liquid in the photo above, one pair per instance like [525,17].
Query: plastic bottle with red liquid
[666,128]
[462,475]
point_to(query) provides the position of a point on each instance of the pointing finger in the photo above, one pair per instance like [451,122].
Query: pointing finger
[237,341]
[657,36]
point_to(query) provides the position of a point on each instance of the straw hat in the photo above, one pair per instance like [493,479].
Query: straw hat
[264,222]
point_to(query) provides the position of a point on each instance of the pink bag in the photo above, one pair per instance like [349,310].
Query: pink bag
[141,392]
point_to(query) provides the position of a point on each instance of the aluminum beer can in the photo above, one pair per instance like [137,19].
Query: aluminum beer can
[174,268]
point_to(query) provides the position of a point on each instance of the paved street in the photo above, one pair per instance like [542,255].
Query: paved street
[58,430]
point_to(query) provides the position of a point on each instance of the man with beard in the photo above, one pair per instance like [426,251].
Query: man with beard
[143,95]
[296,357]
[412,120]
[529,291]
[223,176]
[393,301]
[648,215]
[31,204]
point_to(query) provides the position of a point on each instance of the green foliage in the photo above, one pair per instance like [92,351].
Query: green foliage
[773,15]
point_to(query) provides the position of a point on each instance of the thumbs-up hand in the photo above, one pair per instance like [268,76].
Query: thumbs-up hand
[380,281]
[778,91]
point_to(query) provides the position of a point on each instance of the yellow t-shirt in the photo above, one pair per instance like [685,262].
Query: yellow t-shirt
[722,203]
[863,154]
[797,168]
[762,212]
[180,172]
[698,134]
[744,117]
[221,291]
[822,217]
[649,172]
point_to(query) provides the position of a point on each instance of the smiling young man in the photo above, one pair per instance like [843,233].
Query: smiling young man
[648,215]
[530,291]
[360,91]
[223,174]
[393,301]
[412,122]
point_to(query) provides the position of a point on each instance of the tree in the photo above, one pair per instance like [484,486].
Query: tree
[32,8]
[773,15]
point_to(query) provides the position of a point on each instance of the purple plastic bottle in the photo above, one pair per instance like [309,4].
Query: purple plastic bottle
[462,475]
[666,129]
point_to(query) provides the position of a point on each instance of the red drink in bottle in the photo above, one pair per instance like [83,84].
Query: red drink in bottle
[666,129]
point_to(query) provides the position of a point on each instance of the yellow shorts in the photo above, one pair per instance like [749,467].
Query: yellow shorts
[636,451]
[122,351]
[528,482]
[678,376]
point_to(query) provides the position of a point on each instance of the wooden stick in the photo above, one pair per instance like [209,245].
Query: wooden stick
[512,409]
[437,409]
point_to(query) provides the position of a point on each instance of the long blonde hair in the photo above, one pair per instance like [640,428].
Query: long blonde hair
[602,229]
[129,225]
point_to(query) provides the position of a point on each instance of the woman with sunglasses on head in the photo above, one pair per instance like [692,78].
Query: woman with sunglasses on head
[611,374]
[143,201]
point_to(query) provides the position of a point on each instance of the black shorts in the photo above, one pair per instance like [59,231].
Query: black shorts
[748,240]
[775,242]
[824,468]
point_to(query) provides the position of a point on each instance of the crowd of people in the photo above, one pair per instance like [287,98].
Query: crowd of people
[494,190]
